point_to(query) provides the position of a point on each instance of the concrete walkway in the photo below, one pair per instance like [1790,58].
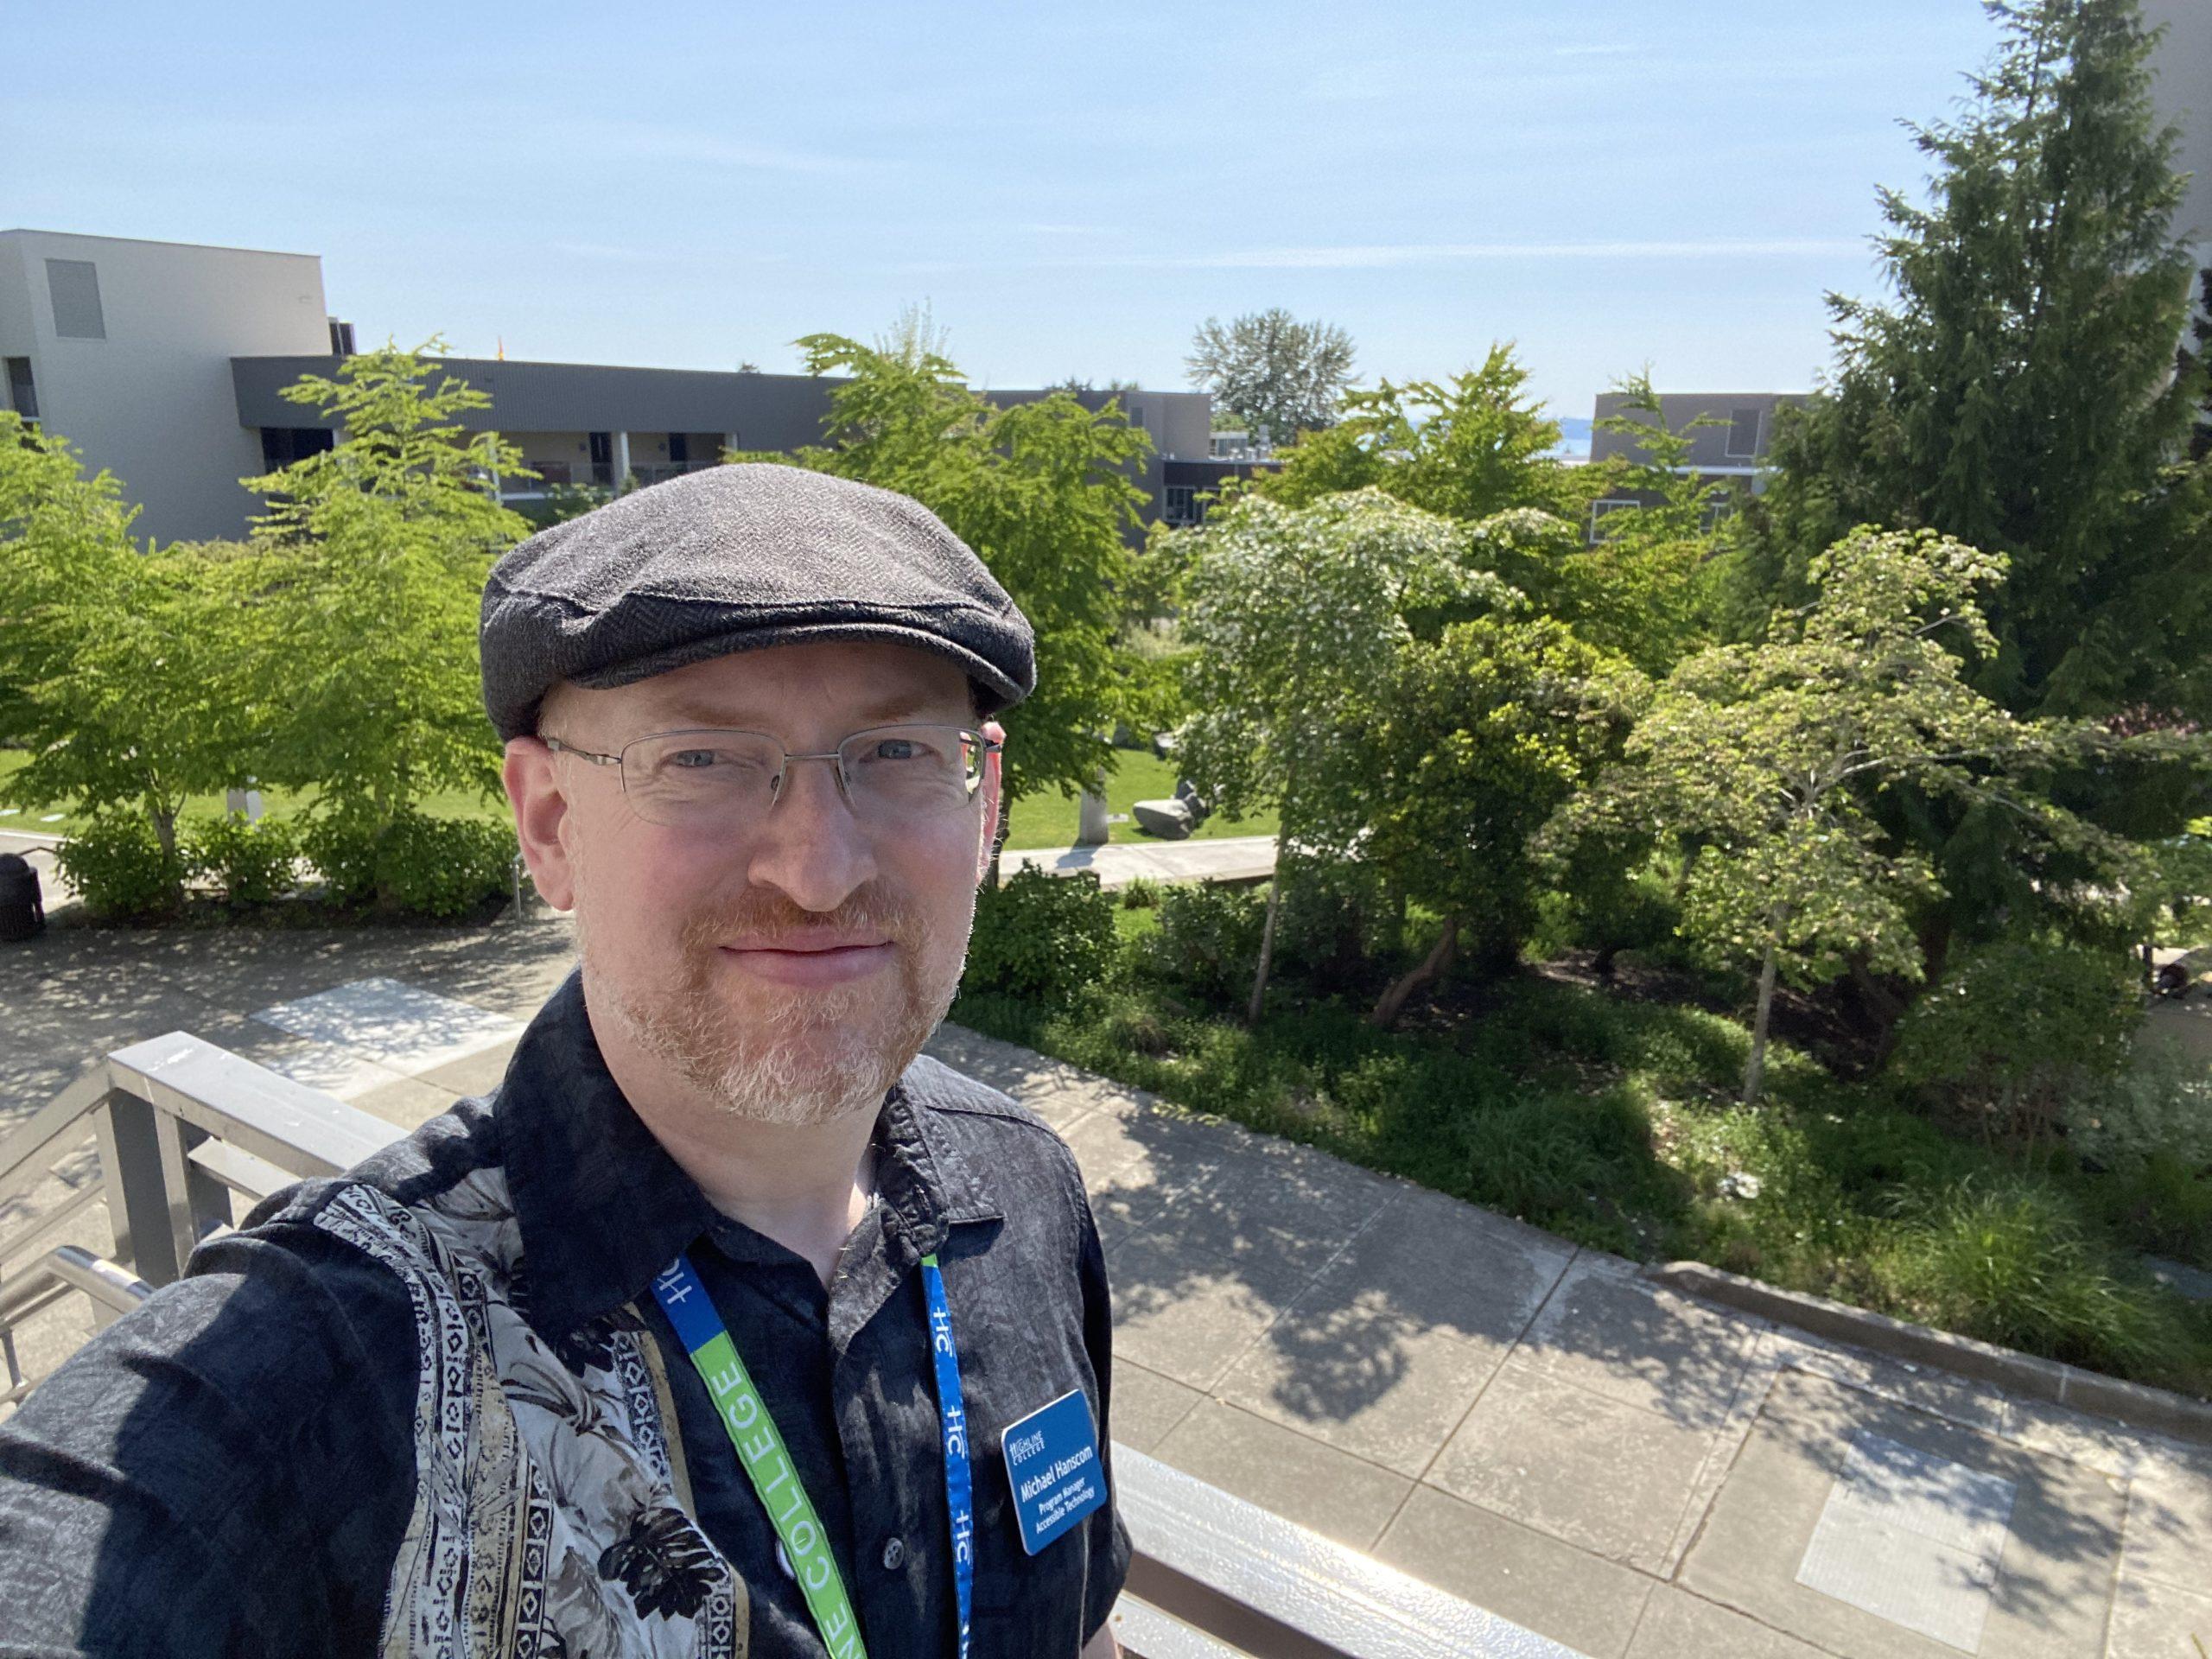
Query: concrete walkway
[1231,858]
[1533,1427]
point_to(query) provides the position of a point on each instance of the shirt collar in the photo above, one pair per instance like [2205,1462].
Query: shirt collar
[602,1208]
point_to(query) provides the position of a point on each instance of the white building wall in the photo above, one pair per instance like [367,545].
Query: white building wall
[15,327]
[153,402]
[2184,92]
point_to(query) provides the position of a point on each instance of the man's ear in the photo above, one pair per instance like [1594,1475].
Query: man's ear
[996,733]
[534,792]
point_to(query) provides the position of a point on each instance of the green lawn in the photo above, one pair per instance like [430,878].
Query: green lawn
[53,821]
[1049,819]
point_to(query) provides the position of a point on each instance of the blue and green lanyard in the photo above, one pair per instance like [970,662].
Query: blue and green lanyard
[760,1452]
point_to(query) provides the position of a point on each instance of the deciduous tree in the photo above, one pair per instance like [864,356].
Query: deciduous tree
[1478,737]
[378,549]
[1298,615]
[1281,377]
[120,666]
[1765,760]
[1042,492]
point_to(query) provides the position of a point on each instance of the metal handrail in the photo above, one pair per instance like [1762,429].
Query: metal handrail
[61,1270]
[184,1126]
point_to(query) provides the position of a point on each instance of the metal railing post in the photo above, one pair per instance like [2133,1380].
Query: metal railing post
[153,1239]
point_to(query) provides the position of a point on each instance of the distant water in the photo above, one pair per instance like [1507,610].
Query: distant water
[1573,437]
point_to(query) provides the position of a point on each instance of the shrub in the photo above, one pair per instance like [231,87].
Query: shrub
[432,866]
[1041,937]
[1208,940]
[444,867]
[1326,929]
[2017,1029]
[252,863]
[1139,894]
[1612,908]
[116,866]
[2163,1204]
[2161,1105]
[343,847]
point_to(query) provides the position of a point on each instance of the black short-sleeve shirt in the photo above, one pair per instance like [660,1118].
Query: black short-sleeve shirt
[228,1469]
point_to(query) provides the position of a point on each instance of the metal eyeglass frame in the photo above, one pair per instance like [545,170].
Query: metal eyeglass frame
[986,746]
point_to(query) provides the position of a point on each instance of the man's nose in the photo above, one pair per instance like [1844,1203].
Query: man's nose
[810,846]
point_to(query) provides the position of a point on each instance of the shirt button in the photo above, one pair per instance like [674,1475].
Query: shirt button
[894,1552]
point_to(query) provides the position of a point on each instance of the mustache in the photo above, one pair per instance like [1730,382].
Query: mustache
[771,917]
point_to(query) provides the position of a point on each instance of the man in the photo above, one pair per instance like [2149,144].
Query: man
[726,1324]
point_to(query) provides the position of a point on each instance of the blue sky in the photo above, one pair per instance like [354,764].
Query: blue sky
[1072,187]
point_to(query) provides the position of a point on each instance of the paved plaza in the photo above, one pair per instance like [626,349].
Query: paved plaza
[1535,1428]
[1231,858]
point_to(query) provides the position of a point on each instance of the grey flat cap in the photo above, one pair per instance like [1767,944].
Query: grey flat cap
[737,558]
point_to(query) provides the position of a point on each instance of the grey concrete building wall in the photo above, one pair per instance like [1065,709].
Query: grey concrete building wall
[1737,442]
[151,400]
[2182,89]
[547,407]
[17,334]
[1177,422]
[766,411]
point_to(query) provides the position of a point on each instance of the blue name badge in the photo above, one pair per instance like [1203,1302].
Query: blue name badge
[1052,1459]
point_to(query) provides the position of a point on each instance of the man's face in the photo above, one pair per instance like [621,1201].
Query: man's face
[787,969]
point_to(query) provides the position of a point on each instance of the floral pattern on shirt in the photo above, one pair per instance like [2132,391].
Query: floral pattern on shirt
[547,1522]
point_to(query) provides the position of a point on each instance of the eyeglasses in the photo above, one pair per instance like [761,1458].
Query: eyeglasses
[708,777]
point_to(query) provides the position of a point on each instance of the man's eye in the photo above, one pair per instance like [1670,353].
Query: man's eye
[898,748]
[695,760]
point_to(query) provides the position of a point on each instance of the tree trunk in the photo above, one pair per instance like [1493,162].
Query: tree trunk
[1266,940]
[1431,968]
[1755,1073]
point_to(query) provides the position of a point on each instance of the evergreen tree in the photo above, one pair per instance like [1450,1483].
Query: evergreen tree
[2017,391]
[2200,444]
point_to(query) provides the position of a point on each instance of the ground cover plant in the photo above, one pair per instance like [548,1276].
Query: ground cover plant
[1610,1112]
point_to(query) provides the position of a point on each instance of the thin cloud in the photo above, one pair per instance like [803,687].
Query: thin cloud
[1379,254]
[711,149]
[1403,255]
[611,253]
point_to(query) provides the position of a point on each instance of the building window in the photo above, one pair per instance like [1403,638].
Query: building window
[1182,505]
[75,288]
[282,445]
[1742,433]
[1605,509]
[1717,512]
[1136,416]
[341,338]
[22,391]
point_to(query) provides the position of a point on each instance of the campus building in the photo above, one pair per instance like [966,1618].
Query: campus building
[2182,89]
[165,363]
[1729,434]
